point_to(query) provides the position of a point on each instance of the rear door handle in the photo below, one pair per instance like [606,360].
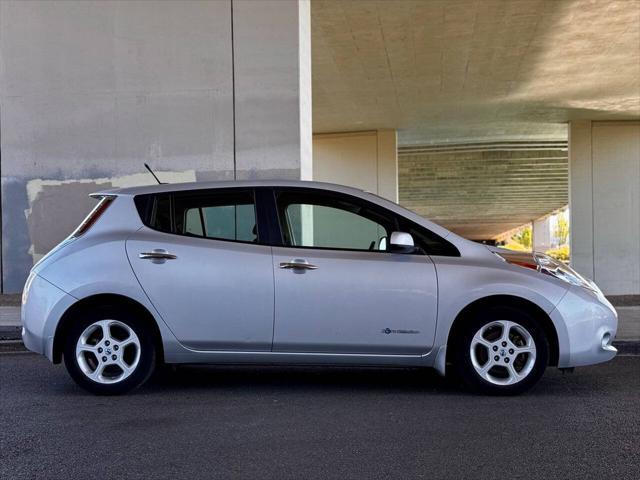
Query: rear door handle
[298,263]
[157,254]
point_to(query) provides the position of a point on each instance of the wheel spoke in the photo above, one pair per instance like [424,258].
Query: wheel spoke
[479,339]
[525,349]
[514,376]
[95,375]
[506,328]
[128,341]
[486,367]
[84,347]
[106,330]
[126,369]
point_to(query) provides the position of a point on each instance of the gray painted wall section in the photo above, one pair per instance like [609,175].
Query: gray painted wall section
[89,91]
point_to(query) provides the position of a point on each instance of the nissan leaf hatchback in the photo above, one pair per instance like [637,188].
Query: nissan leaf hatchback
[292,272]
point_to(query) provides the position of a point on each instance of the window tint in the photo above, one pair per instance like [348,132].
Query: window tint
[161,213]
[222,215]
[227,216]
[427,241]
[325,221]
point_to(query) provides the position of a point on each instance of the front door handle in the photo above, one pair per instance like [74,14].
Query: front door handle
[157,254]
[298,263]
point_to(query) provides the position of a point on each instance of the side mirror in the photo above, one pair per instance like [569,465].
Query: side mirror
[401,242]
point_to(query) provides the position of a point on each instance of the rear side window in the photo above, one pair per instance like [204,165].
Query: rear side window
[218,215]
[161,213]
[226,216]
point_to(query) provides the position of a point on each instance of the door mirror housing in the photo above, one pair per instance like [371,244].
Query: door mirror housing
[401,242]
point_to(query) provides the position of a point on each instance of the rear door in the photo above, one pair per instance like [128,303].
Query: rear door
[201,263]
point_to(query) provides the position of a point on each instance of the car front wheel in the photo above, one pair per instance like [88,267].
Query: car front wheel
[109,351]
[502,351]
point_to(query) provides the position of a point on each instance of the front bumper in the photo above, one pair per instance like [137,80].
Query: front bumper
[586,324]
[43,306]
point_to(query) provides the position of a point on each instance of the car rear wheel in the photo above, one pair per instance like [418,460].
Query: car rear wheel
[109,351]
[502,351]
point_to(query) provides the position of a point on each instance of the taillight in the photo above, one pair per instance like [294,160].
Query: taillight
[93,217]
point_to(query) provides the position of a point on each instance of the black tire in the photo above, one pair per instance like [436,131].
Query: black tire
[461,355]
[146,362]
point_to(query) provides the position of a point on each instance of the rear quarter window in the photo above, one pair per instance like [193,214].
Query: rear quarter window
[155,211]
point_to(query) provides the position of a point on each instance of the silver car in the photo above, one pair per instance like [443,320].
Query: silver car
[291,272]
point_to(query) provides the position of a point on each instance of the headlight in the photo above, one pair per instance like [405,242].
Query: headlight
[549,266]
[558,269]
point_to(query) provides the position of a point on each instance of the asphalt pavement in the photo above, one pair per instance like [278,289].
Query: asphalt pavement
[304,423]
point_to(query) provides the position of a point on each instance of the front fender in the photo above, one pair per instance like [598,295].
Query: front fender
[462,282]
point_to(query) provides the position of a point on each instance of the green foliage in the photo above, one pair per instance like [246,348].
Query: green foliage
[561,253]
[516,246]
[523,238]
[561,232]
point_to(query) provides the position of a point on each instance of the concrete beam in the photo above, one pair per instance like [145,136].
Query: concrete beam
[482,190]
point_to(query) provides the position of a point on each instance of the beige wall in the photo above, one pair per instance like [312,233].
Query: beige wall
[366,160]
[604,163]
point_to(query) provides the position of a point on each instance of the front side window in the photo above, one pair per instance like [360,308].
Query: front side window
[328,221]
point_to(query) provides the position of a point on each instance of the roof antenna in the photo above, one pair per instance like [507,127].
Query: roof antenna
[154,175]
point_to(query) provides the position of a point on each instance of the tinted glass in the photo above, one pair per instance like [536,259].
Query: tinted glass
[161,213]
[226,216]
[322,221]
[429,242]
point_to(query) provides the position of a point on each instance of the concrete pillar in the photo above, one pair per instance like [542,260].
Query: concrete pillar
[604,169]
[366,160]
[89,91]
[272,61]
[541,234]
[581,197]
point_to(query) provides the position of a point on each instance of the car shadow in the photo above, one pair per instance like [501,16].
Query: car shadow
[586,382]
[300,379]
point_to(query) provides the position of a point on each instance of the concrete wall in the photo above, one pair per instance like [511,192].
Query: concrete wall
[90,90]
[605,203]
[272,52]
[366,160]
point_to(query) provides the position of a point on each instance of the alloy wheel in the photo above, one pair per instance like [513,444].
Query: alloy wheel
[503,352]
[108,351]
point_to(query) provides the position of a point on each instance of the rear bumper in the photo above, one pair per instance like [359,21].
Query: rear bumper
[590,324]
[43,306]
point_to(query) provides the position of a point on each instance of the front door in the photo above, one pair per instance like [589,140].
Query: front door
[337,287]
[200,263]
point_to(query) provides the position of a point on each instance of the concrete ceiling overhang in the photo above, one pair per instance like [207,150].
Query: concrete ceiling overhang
[483,190]
[473,70]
